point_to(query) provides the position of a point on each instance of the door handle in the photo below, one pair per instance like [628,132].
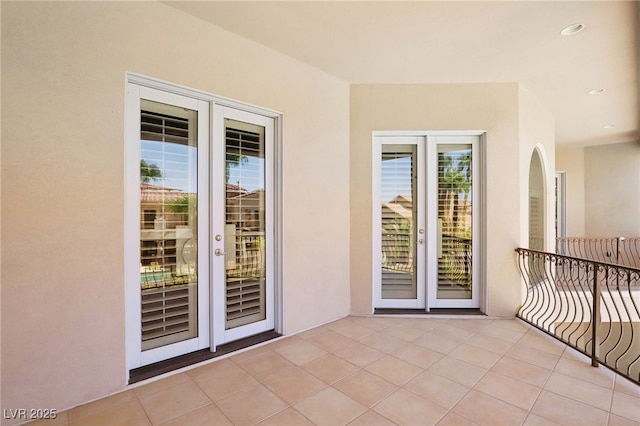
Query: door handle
[219,252]
[420,241]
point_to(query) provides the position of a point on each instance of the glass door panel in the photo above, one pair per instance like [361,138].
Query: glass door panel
[454,221]
[400,235]
[398,225]
[168,224]
[245,224]
[243,251]
[424,222]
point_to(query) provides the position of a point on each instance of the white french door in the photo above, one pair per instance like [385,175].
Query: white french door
[199,226]
[243,225]
[399,223]
[166,225]
[426,221]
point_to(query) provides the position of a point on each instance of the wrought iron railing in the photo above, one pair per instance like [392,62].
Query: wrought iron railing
[454,263]
[397,245]
[619,250]
[589,305]
[247,260]
[454,259]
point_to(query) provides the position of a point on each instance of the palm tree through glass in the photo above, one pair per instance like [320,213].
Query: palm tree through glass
[455,221]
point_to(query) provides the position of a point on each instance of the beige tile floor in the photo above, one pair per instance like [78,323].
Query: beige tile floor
[383,371]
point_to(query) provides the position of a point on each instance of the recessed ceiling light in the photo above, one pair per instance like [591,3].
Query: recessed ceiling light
[572,29]
[609,126]
[596,91]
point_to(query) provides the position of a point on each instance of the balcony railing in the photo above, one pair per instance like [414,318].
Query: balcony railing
[590,305]
[248,259]
[455,260]
[618,250]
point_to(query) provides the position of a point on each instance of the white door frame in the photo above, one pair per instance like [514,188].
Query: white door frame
[419,248]
[561,204]
[426,255]
[135,84]
[219,333]
[432,269]
[135,355]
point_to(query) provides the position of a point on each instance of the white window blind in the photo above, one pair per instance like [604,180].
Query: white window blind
[398,170]
[245,224]
[455,221]
[168,224]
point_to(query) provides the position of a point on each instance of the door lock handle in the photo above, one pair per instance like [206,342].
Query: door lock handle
[219,252]
[420,241]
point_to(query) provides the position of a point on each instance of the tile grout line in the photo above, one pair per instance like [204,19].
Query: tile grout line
[386,332]
[213,402]
[471,388]
[542,387]
[502,356]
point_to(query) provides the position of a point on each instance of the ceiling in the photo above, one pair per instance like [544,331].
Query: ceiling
[464,42]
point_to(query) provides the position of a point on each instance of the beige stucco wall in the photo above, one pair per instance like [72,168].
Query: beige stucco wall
[537,132]
[570,159]
[490,107]
[63,77]
[612,190]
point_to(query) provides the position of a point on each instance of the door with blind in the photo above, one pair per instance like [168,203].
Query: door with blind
[167,225]
[199,226]
[400,223]
[426,223]
[243,291]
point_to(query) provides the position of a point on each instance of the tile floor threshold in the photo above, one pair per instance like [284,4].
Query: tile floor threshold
[173,364]
[383,370]
[432,311]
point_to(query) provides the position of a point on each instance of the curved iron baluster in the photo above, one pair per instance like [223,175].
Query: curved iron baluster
[588,304]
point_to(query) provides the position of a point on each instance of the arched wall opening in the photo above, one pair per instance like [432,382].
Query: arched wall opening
[537,202]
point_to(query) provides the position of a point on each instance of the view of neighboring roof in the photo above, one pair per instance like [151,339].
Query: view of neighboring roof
[401,205]
[150,193]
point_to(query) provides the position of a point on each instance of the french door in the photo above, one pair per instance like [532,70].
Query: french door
[243,229]
[426,223]
[199,224]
